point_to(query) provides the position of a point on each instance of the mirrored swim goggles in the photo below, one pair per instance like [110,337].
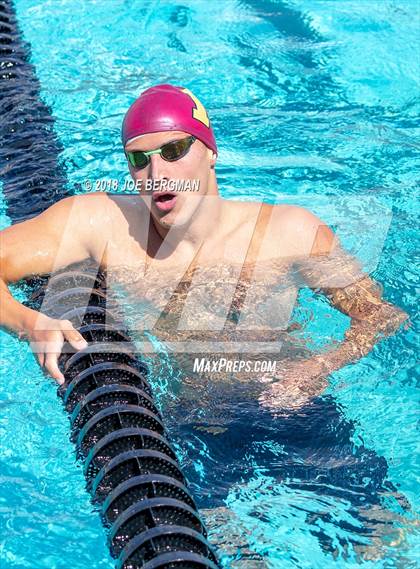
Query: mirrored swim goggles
[171,151]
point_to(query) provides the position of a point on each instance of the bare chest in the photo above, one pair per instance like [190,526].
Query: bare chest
[204,298]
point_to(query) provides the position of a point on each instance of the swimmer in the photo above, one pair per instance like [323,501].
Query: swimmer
[169,142]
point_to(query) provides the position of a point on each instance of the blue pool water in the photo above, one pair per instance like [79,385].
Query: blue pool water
[313,102]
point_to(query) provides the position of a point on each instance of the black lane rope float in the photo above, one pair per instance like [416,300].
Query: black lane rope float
[31,175]
[131,469]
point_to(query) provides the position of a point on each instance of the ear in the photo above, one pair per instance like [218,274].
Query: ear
[213,158]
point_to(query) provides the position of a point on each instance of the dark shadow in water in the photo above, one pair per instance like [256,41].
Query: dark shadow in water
[309,450]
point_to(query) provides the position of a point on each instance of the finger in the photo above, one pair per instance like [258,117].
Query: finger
[41,359]
[52,352]
[51,365]
[75,339]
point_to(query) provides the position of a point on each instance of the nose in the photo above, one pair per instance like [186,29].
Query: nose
[156,167]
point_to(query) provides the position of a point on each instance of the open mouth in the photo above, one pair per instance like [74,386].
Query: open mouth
[164,200]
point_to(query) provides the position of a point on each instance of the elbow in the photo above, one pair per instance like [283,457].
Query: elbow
[389,319]
[385,320]
[399,317]
[5,270]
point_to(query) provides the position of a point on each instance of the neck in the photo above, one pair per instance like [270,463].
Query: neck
[203,223]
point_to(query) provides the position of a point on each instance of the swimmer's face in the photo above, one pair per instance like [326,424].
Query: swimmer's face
[194,168]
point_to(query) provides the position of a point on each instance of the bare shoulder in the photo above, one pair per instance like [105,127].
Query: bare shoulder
[296,215]
[87,212]
[110,219]
[81,204]
[106,212]
[301,230]
[94,202]
[57,237]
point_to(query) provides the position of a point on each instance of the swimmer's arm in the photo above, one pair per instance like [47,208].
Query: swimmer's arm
[326,268]
[372,319]
[330,270]
[58,237]
[35,247]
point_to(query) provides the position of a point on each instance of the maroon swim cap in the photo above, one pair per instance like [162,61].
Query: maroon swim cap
[166,107]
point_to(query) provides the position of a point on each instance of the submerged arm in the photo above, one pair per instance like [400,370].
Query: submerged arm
[372,318]
[332,271]
[328,269]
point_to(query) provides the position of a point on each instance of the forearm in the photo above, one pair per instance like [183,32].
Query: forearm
[362,335]
[302,380]
[13,315]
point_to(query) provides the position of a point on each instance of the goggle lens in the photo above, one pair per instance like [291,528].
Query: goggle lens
[177,149]
[171,152]
[138,159]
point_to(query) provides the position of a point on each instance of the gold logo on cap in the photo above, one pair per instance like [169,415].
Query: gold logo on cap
[199,112]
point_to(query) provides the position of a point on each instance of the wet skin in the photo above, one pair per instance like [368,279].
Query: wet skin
[155,246]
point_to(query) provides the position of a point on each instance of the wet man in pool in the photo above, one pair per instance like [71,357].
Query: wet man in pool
[203,267]
[171,229]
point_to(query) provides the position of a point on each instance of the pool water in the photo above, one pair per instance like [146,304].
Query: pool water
[312,102]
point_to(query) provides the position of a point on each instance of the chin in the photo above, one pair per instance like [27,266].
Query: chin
[175,219]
